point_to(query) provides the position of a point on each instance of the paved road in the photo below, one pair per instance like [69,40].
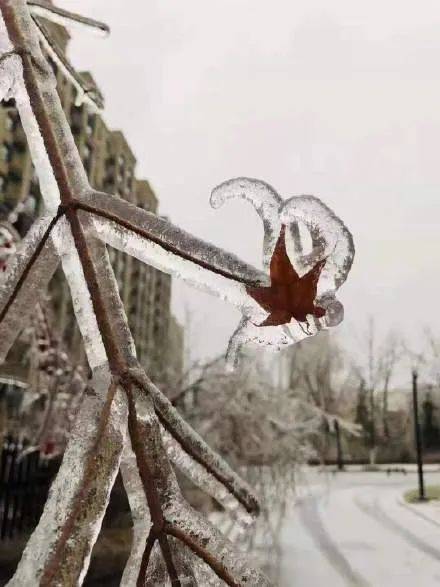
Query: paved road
[353,529]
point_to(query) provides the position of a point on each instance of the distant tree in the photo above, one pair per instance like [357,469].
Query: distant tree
[430,428]
[319,375]
[374,370]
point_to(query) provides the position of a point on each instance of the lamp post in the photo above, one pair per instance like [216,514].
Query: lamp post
[340,460]
[418,436]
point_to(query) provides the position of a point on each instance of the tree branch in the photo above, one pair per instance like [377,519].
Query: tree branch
[90,94]
[151,539]
[33,264]
[195,446]
[64,17]
[39,245]
[170,237]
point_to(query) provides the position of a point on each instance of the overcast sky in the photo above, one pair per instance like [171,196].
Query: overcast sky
[338,99]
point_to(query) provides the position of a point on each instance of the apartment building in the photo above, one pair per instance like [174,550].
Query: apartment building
[111,167]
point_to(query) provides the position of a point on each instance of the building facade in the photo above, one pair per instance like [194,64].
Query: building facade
[111,166]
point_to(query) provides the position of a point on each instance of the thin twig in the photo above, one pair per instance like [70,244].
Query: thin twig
[149,543]
[216,565]
[51,12]
[91,93]
[34,257]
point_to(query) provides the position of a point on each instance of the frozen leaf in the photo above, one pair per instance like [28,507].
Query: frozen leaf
[302,292]
[289,295]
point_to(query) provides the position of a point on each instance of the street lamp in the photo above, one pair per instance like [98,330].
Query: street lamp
[340,460]
[418,436]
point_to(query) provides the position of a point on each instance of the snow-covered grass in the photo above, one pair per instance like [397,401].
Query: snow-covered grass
[432,492]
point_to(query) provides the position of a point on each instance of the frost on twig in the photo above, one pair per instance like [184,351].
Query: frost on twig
[177,542]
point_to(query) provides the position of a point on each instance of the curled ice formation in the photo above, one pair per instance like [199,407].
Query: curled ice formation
[316,242]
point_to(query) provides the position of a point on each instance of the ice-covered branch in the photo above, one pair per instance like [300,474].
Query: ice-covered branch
[64,17]
[170,515]
[155,240]
[60,546]
[28,273]
[212,547]
[194,446]
[86,93]
[140,515]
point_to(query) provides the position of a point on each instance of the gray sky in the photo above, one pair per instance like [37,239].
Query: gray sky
[339,99]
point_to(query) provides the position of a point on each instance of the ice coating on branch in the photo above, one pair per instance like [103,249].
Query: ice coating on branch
[184,562]
[139,512]
[82,303]
[204,480]
[85,92]
[59,550]
[27,297]
[233,559]
[186,436]
[66,18]
[181,245]
[264,199]
[63,494]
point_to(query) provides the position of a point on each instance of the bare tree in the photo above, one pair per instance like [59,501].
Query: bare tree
[374,372]
[124,420]
[265,432]
[318,374]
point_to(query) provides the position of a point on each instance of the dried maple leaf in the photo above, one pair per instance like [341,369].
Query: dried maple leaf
[289,295]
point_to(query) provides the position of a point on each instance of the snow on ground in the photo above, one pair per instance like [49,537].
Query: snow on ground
[354,529]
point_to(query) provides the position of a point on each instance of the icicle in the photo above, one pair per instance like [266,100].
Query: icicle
[271,337]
